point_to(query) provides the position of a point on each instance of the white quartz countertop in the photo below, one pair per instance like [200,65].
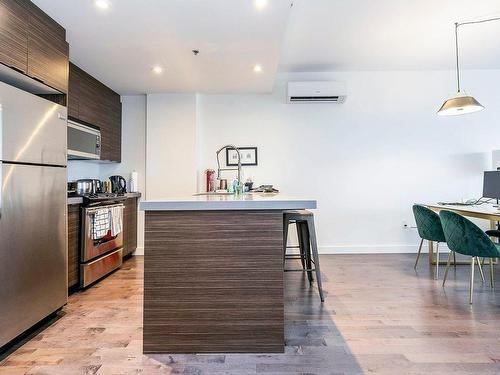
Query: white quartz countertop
[249,201]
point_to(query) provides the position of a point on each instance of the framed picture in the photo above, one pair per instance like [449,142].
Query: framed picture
[248,156]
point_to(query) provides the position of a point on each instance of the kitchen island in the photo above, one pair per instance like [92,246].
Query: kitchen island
[213,273]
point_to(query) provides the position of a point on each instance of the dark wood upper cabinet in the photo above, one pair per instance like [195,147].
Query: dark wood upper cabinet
[33,43]
[14,35]
[48,51]
[95,104]
[74,91]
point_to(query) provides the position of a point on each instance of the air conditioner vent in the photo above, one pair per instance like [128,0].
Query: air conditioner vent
[316,92]
[320,99]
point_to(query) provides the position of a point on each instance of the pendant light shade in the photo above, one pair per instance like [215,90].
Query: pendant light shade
[460,104]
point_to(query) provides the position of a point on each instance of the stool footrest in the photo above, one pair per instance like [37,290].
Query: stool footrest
[300,270]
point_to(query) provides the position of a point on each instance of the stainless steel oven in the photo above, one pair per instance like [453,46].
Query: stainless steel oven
[98,257]
[84,142]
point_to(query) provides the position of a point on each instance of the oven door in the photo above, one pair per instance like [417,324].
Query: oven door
[94,248]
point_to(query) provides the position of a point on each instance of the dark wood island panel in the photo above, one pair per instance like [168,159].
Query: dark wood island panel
[213,282]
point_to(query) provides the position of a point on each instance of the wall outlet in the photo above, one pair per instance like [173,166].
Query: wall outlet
[408,226]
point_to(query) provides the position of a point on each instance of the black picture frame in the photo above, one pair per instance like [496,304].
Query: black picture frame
[243,162]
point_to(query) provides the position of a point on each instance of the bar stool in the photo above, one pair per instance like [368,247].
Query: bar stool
[308,247]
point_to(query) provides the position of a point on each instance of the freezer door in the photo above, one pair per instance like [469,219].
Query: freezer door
[33,256]
[32,129]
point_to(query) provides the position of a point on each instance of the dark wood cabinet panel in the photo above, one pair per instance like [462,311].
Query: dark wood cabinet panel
[90,108]
[94,103]
[48,51]
[73,243]
[14,35]
[52,29]
[74,91]
[34,44]
[210,286]
[130,226]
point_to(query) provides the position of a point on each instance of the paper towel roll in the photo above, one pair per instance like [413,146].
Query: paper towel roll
[134,182]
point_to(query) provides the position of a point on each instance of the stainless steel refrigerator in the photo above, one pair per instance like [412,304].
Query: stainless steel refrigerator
[33,209]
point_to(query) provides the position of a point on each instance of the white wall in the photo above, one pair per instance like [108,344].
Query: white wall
[171,156]
[368,160]
[133,154]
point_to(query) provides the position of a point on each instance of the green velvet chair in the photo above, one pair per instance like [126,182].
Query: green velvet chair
[430,229]
[465,237]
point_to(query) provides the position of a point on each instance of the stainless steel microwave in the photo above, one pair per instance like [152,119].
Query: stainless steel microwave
[84,142]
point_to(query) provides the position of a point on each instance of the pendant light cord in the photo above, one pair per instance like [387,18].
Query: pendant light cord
[457,25]
[456,49]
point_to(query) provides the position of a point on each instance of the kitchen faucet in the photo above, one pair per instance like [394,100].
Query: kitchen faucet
[219,169]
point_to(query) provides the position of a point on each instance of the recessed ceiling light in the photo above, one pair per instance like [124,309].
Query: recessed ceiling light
[103,4]
[260,4]
[257,68]
[157,69]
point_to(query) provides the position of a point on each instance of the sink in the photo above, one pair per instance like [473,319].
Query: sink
[214,193]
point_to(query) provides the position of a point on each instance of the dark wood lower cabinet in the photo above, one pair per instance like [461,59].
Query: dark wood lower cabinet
[73,243]
[130,226]
[213,282]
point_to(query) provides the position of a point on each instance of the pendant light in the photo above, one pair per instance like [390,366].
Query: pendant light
[461,103]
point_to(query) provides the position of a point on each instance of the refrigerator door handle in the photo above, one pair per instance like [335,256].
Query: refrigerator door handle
[1,186]
[1,158]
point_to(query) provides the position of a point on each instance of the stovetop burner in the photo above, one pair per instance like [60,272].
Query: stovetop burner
[103,195]
[91,199]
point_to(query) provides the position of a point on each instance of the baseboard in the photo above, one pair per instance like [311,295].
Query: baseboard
[377,249]
[360,249]
[139,251]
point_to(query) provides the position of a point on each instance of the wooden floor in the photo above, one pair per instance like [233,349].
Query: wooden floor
[380,317]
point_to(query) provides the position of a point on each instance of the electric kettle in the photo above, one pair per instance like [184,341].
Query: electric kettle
[118,185]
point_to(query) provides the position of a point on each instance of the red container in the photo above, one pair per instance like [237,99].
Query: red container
[210,179]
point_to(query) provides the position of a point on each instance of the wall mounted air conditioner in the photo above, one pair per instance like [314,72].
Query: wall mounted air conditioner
[316,92]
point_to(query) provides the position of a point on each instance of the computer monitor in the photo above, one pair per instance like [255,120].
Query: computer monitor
[491,184]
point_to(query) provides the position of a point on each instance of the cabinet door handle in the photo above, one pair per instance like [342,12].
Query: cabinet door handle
[37,79]
[61,117]
[16,69]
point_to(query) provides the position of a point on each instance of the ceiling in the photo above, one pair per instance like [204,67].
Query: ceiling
[119,46]
[389,35]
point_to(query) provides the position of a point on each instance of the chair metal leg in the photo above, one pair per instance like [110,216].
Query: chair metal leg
[480,269]
[285,237]
[418,253]
[314,248]
[306,249]
[471,281]
[454,259]
[436,276]
[447,267]
[301,239]
[492,278]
